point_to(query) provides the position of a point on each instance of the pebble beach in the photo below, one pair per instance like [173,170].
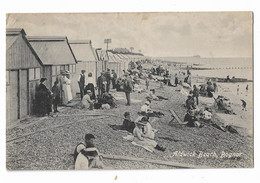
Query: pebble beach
[47,143]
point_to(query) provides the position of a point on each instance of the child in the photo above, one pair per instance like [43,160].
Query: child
[56,96]
[86,156]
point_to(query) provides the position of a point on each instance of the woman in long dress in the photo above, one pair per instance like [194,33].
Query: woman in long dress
[140,138]
[43,99]
[66,88]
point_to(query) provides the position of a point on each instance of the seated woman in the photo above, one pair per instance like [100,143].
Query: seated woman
[87,103]
[152,96]
[146,111]
[148,130]
[107,98]
[191,119]
[127,125]
[140,139]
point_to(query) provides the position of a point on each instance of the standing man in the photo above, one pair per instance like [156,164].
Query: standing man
[101,84]
[81,82]
[114,78]
[56,96]
[128,88]
[108,79]
[196,93]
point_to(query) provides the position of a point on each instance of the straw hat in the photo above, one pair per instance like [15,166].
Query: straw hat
[141,123]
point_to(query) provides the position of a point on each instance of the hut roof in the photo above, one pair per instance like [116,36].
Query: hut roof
[13,34]
[53,50]
[83,50]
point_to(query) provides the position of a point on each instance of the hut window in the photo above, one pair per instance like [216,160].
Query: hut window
[62,67]
[67,67]
[54,70]
[31,74]
[71,68]
[37,73]
[7,77]
[58,70]
[74,68]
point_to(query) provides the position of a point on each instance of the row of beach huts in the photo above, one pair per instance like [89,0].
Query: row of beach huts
[28,59]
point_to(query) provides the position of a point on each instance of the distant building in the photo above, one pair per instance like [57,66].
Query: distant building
[23,71]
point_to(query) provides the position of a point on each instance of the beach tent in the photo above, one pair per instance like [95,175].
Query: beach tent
[124,61]
[56,56]
[86,58]
[114,63]
[23,71]
[102,60]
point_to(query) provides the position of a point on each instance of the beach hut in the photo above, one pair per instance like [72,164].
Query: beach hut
[56,56]
[86,58]
[23,71]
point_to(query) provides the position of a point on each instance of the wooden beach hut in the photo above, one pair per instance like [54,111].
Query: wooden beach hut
[86,58]
[56,56]
[23,71]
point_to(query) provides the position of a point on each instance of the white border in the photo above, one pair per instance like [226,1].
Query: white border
[216,175]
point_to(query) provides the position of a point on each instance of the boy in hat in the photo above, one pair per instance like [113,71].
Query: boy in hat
[86,156]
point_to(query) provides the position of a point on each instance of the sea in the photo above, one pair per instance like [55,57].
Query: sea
[217,67]
[221,68]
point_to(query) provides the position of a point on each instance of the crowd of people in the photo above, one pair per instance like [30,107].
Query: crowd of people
[98,95]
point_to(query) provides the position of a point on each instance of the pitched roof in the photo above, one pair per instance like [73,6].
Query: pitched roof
[12,34]
[83,50]
[102,54]
[53,50]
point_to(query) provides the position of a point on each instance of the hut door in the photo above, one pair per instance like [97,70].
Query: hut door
[24,93]
[14,97]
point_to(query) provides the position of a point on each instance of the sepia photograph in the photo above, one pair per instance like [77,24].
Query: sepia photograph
[127,91]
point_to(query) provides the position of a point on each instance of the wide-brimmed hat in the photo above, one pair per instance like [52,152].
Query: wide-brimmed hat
[83,70]
[141,122]
[89,91]
[43,79]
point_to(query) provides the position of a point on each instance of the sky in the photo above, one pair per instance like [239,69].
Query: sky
[215,34]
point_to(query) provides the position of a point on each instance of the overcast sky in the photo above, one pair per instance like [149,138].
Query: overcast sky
[156,34]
